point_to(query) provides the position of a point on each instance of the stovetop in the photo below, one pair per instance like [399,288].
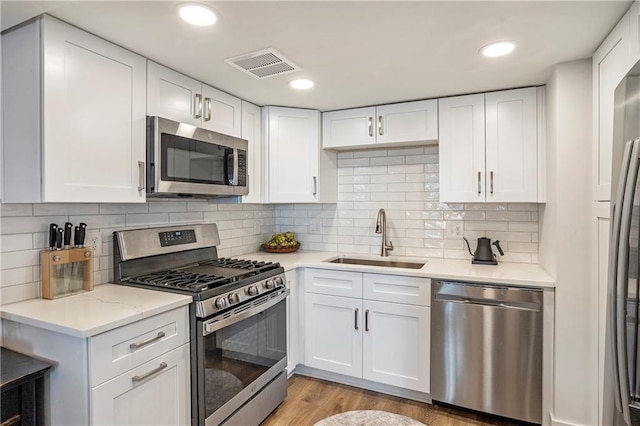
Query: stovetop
[206,275]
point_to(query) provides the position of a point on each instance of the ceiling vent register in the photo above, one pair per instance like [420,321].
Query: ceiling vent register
[263,63]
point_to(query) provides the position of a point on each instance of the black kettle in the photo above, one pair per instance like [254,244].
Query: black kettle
[484,255]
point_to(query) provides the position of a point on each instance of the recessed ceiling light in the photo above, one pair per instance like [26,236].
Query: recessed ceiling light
[301,84]
[197,14]
[499,48]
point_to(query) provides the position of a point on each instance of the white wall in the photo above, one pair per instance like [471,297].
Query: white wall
[565,243]
[405,182]
[24,227]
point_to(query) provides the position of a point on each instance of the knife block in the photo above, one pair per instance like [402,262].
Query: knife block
[66,272]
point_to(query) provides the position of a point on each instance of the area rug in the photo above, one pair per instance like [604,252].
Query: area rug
[368,418]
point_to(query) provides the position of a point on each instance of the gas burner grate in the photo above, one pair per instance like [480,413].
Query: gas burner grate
[198,282]
[177,279]
[225,262]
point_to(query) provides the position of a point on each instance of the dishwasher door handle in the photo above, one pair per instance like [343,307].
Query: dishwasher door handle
[522,306]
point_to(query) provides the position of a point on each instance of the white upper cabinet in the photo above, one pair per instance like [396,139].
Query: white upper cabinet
[173,95]
[461,148]
[610,63]
[252,132]
[180,98]
[489,146]
[74,116]
[348,128]
[295,167]
[511,146]
[386,125]
[221,112]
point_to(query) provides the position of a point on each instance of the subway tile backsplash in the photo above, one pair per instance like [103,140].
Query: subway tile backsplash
[402,181]
[405,183]
[23,233]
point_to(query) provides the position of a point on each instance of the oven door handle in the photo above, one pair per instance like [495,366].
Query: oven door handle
[214,325]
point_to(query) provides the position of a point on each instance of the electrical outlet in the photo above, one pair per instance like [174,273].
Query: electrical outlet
[455,229]
[93,240]
[315,225]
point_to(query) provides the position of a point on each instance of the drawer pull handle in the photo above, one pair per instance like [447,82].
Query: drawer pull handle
[366,320]
[355,319]
[135,346]
[136,379]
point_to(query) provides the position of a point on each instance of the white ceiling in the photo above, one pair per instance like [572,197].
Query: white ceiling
[358,53]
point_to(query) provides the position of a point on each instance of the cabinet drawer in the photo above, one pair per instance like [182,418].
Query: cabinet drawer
[155,393]
[396,288]
[117,351]
[333,283]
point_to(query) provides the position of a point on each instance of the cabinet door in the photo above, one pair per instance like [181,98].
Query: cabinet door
[292,145]
[349,128]
[173,95]
[461,148]
[221,112]
[333,334]
[609,66]
[395,345]
[252,132]
[94,118]
[511,146]
[407,122]
[154,393]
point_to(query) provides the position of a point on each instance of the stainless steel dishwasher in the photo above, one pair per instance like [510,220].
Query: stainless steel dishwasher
[486,348]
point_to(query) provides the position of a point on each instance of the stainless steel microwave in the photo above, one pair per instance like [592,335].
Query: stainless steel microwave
[188,161]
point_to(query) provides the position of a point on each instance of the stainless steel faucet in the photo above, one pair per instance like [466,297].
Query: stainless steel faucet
[381,228]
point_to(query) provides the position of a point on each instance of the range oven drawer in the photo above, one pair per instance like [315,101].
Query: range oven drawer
[117,351]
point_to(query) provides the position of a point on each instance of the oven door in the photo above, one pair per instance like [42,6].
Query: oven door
[196,161]
[239,352]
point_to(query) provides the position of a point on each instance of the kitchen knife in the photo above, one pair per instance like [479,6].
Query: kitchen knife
[68,227]
[59,234]
[53,234]
[76,236]
[80,234]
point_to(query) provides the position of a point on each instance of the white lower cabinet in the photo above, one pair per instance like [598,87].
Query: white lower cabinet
[293,321]
[154,393]
[333,334]
[135,374]
[395,345]
[376,340]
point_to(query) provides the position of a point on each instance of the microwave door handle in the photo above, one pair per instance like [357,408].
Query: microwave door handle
[235,167]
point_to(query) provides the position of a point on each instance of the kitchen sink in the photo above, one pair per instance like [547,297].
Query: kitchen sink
[374,262]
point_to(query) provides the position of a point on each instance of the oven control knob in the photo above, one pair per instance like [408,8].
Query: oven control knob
[252,291]
[221,302]
[270,283]
[278,281]
[233,298]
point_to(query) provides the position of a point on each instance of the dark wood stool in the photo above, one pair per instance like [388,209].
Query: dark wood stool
[22,386]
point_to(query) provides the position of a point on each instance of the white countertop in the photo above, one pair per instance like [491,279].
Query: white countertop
[107,307]
[110,306]
[519,274]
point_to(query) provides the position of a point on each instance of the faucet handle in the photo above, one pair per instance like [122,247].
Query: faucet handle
[390,246]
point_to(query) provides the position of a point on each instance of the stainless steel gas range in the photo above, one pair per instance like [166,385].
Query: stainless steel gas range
[238,317]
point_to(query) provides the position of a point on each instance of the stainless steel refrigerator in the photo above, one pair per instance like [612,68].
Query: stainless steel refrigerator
[622,356]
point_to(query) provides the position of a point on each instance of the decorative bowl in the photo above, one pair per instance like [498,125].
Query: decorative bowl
[279,249]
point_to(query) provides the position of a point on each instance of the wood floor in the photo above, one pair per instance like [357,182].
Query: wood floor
[310,400]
